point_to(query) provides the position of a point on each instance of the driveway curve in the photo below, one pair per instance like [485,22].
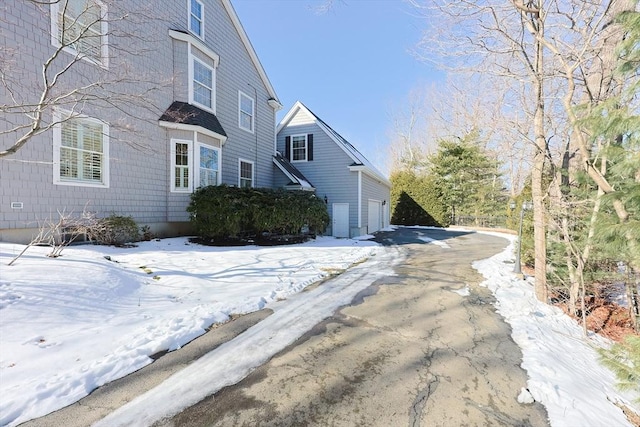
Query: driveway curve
[424,347]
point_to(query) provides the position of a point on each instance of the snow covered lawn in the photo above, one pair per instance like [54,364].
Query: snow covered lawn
[71,324]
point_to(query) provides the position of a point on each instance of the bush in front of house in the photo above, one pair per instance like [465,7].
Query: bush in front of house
[115,230]
[222,213]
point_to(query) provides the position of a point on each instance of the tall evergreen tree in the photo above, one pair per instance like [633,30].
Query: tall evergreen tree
[468,178]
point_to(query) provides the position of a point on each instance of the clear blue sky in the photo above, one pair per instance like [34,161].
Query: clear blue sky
[352,66]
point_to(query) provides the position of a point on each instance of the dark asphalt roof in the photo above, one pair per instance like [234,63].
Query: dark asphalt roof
[184,113]
[293,172]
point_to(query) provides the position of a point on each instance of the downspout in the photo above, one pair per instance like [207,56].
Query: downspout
[359,200]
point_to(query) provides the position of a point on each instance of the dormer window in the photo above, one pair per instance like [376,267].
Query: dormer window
[196,18]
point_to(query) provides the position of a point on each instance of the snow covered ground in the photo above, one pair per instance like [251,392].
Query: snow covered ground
[71,324]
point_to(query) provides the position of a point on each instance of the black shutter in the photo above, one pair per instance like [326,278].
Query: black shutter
[287,148]
[310,146]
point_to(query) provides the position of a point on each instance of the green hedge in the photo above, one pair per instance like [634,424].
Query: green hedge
[416,200]
[222,212]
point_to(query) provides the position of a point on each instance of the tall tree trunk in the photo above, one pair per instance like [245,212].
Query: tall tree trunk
[537,174]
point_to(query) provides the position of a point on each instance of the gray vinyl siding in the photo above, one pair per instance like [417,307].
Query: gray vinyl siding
[236,73]
[373,189]
[329,170]
[137,182]
[279,178]
[139,154]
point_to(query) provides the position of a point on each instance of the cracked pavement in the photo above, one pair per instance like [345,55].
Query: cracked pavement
[410,350]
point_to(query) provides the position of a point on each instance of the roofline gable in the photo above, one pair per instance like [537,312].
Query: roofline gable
[298,106]
[250,50]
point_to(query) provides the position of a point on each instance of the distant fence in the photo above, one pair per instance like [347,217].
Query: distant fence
[481,221]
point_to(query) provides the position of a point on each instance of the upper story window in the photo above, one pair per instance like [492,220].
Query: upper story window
[80,27]
[245,178]
[299,148]
[81,152]
[201,70]
[196,18]
[245,112]
[202,81]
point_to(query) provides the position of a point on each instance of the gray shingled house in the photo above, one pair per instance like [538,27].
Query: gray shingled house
[311,155]
[143,102]
[204,111]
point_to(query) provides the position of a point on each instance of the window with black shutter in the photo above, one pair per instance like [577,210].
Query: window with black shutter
[299,148]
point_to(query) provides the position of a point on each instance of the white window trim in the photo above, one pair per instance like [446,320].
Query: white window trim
[61,116]
[253,112]
[104,28]
[192,101]
[193,40]
[194,163]
[190,165]
[200,36]
[253,172]
[306,148]
[196,177]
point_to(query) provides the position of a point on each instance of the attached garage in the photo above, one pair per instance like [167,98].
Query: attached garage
[374,222]
[356,194]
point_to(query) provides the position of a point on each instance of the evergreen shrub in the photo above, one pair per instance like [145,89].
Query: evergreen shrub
[416,200]
[223,213]
[623,359]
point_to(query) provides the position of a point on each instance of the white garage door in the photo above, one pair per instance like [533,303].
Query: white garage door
[375,216]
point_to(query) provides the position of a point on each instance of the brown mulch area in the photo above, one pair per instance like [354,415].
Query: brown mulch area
[612,321]
[270,240]
[605,318]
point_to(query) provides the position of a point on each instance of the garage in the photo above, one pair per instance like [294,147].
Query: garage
[375,216]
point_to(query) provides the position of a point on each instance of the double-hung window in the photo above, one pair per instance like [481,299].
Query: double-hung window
[81,152]
[80,27]
[196,18]
[181,164]
[245,112]
[209,165]
[202,80]
[299,148]
[201,70]
[245,178]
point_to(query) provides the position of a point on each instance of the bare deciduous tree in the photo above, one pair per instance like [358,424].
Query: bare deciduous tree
[557,51]
[60,231]
[81,72]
